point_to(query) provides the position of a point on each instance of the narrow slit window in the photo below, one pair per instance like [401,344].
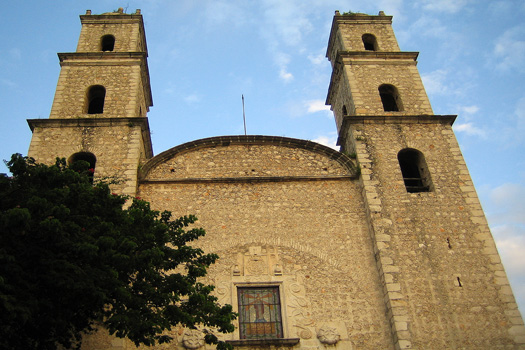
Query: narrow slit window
[370,42]
[260,313]
[95,99]
[107,43]
[390,98]
[414,170]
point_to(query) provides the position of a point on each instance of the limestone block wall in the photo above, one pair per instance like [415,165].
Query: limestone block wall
[307,236]
[351,34]
[126,33]
[246,160]
[365,80]
[121,78]
[118,148]
[444,281]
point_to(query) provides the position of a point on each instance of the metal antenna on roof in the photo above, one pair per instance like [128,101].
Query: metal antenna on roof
[243,115]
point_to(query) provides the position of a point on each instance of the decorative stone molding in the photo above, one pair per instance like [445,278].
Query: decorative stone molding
[192,339]
[328,335]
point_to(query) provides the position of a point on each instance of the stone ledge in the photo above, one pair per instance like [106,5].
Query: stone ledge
[264,342]
[97,122]
[395,118]
[249,179]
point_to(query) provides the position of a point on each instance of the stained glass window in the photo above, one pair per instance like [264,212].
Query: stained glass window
[260,313]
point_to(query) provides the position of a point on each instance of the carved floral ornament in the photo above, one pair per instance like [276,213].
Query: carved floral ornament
[328,335]
[192,339]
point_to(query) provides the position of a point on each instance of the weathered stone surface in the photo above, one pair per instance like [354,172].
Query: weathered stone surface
[352,252]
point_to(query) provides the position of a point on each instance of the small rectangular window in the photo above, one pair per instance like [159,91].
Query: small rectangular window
[260,313]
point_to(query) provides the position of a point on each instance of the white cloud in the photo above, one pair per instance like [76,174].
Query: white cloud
[509,50]
[286,21]
[327,140]
[469,129]
[507,217]
[428,26]
[520,115]
[508,204]
[317,59]
[193,98]
[469,109]
[434,82]
[314,106]
[219,12]
[447,6]
[392,8]
[510,241]
[282,60]
[286,76]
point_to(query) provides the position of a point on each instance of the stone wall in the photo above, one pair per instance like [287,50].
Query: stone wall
[120,77]
[446,285]
[118,146]
[306,235]
[125,31]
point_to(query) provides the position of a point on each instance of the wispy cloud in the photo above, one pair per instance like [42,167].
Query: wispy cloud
[435,82]
[328,140]
[219,12]
[505,211]
[193,98]
[509,50]
[8,83]
[469,109]
[317,59]
[508,202]
[282,60]
[314,106]
[469,129]
[445,6]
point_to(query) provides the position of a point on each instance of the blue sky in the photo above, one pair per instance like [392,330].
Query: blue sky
[204,54]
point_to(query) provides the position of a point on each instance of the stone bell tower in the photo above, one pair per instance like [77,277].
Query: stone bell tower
[101,100]
[444,286]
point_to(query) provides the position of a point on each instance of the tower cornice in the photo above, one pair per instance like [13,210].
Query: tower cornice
[392,119]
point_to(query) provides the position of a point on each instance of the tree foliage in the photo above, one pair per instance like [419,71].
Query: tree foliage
[71,255]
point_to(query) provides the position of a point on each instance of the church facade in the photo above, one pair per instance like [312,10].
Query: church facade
[383,245]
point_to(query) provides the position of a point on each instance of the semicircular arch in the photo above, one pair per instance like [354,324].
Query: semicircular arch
[344,162]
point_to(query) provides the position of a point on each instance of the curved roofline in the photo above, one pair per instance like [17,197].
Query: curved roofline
[315,147]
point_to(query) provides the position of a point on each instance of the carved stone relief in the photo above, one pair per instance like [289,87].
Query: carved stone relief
[192,339]
[328,335]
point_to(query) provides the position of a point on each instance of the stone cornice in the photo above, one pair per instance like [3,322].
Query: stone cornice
[392,119]
[385,55]
[97,122]
[64,56]
[249,179]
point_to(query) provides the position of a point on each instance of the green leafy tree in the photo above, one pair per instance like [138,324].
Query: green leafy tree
[71,257]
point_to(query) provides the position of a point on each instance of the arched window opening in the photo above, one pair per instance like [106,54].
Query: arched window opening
[414,170]
[95,98]
[107,43]
[370,42]
[86,157]
[390,98]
